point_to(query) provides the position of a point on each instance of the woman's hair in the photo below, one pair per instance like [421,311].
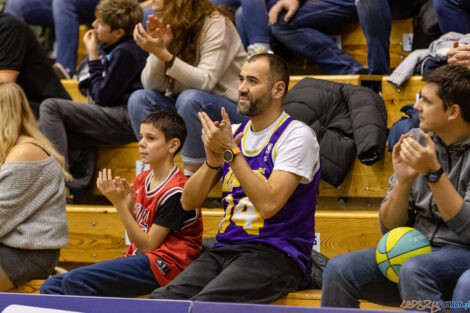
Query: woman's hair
[16,119]
[186,18]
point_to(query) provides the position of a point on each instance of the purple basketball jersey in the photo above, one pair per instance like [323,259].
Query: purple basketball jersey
[291,229]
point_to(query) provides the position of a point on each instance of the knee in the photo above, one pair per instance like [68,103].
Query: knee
[335,268]
[51,285]
[49,107]
[462,289]
[413,269]
[137,101]
[189,103]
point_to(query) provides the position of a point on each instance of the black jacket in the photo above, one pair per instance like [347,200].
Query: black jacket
[348,121]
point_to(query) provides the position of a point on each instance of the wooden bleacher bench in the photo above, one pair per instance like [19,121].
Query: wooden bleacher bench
[396,97]
[354,42]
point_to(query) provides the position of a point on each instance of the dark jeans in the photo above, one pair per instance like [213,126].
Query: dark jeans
[122,277]
[254,273]
[251,20]
[355,275]
[304,33]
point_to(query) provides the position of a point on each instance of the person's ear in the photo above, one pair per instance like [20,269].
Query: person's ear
[278,89]
[173,145]
[119,33]
[454,112]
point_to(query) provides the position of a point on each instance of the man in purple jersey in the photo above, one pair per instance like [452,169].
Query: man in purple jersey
[270,170]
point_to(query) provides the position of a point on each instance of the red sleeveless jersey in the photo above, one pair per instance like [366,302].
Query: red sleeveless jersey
[179,248]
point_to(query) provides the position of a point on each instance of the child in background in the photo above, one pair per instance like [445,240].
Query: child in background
[107,77]
[165,238]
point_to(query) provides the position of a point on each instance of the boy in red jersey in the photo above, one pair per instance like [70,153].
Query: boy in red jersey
[165,238]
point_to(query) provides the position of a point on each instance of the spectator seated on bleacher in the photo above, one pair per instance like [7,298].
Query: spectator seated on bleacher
[65,16]
[348,120]
[251,19]
[108,79]
[193,66]
[165,238]
[301,29]
[24,61]
[32,194]
[270,170]
[428,191]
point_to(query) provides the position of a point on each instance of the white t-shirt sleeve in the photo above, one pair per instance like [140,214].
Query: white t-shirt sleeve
[298,152]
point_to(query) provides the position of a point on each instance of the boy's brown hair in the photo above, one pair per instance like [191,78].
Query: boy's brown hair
[170,123]
[124,14]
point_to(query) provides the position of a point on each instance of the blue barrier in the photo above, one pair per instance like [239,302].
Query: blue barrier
[91,304]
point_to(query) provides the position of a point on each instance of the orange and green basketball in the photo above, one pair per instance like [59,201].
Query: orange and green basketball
[397,246]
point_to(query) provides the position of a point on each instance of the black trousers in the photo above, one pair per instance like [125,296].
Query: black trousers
[250,273]
[76,129]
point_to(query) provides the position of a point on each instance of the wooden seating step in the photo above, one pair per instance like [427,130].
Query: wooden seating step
[97,234]
[396,97]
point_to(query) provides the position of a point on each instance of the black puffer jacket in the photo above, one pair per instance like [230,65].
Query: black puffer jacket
[348,121]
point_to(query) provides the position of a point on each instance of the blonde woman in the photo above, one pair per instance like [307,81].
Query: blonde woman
[32,194]
[195,57]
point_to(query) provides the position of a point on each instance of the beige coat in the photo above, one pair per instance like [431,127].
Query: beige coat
[220,56]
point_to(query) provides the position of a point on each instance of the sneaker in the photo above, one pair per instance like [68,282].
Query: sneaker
[61,71]
[258,48]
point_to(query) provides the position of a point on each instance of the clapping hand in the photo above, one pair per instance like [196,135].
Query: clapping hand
[117,189]
[155,39]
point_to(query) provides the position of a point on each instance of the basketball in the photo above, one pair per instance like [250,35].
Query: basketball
[397,246]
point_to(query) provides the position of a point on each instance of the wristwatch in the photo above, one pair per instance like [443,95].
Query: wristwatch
[230,154]
[434,176]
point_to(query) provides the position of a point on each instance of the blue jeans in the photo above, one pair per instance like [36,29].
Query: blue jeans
[253,26]
[462,292]
[355,275]
[187,104]
[453,15]
[122,277]
[64,15]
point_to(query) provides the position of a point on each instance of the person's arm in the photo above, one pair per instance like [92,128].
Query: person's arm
[291,6]
[153,75]
[199,185]
[118,192]
[13,49]
[124,66]
[145,4]
[424,160]
[7,76]
[394,210]
[268,196]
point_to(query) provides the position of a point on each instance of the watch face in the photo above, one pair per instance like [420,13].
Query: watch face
[433,177]
[227,155]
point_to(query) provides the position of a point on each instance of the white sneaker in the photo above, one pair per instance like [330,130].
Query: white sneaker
[61,71]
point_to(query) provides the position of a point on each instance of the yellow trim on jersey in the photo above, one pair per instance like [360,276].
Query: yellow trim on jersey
[245,151]
[280,137]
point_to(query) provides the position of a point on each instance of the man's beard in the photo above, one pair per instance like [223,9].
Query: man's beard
[257,106]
